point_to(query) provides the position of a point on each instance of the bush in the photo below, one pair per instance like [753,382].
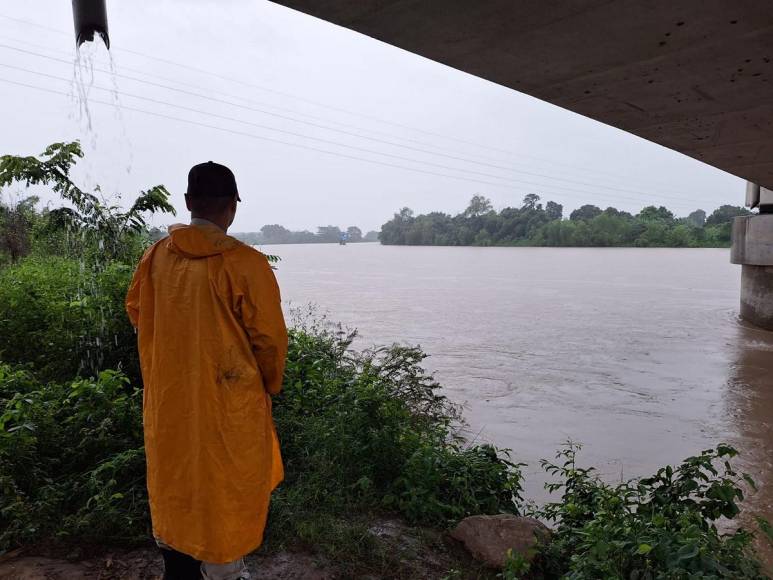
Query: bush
[71,459]
[663,527]
[368,431]
[63,319]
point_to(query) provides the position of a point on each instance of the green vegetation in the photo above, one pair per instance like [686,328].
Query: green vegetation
[276,234]
[88,227]
[365,435]
[664,526]
[65,318]
[535,225]
[371,425]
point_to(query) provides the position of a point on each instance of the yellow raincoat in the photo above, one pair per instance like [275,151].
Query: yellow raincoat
[212,343]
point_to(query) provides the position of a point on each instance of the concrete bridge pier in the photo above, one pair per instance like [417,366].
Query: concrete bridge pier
[753,250]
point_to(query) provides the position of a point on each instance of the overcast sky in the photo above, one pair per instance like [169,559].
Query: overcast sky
[321,125]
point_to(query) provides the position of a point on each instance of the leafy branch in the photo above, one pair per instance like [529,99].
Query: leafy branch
[90,214]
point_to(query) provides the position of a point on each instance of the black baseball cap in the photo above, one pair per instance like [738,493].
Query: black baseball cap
[211,179]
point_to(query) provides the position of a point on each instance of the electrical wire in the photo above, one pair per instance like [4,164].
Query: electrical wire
[317,139]
[348,112]
[657,193]
[328,141]
[277,141]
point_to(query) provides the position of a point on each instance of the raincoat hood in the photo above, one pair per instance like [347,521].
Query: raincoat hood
[199,241]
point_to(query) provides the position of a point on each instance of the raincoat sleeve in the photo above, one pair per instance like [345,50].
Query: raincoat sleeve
[265,324]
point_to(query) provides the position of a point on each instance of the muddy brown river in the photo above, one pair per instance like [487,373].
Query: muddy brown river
[638,354]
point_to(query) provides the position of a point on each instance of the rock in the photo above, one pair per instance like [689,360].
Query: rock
[488,538]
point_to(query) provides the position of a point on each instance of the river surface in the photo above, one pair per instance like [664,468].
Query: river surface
[638,354]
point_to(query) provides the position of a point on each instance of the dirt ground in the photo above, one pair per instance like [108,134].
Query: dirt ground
[146,564]
[431,556]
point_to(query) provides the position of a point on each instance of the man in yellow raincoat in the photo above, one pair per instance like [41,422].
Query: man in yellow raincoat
[212,343]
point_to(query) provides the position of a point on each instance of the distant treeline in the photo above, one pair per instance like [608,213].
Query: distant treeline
[276,234]
[535,225]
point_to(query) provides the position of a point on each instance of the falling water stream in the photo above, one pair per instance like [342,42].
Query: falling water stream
[93,135]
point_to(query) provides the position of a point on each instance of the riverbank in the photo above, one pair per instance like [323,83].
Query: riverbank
[413,553]
[531,224]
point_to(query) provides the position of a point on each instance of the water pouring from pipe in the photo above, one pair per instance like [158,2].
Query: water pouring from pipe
[90,17]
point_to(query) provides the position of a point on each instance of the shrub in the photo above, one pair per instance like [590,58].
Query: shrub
[663,527]
[64,319]
[369,431]
[71,459]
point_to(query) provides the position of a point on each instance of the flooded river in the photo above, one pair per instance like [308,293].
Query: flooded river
[635,353]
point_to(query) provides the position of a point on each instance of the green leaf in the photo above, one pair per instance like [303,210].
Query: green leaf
[687,552]
[644,549]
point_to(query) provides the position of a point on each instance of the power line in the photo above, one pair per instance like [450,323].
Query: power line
[328,141]
[327,127]
[321,140]
[356,114]
[199,87]
[542,187]
[272,140]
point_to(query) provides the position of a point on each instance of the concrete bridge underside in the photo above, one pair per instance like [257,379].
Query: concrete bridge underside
[694,75]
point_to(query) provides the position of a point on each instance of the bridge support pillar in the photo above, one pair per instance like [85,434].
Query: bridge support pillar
[753,250]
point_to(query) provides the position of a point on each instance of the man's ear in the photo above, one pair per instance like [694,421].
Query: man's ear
[188,202]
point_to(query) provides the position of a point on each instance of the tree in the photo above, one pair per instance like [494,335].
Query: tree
[394,231]
[697,218]
[652,213]
[329,234]
[405,214]
[275,234]
[725,214]
[531,202]
[478,206]
[355,234]
[608,229]
[16,222]
[532,225]
[680,237]
[613,211]
[586,212]
[98,222]
[554,211]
